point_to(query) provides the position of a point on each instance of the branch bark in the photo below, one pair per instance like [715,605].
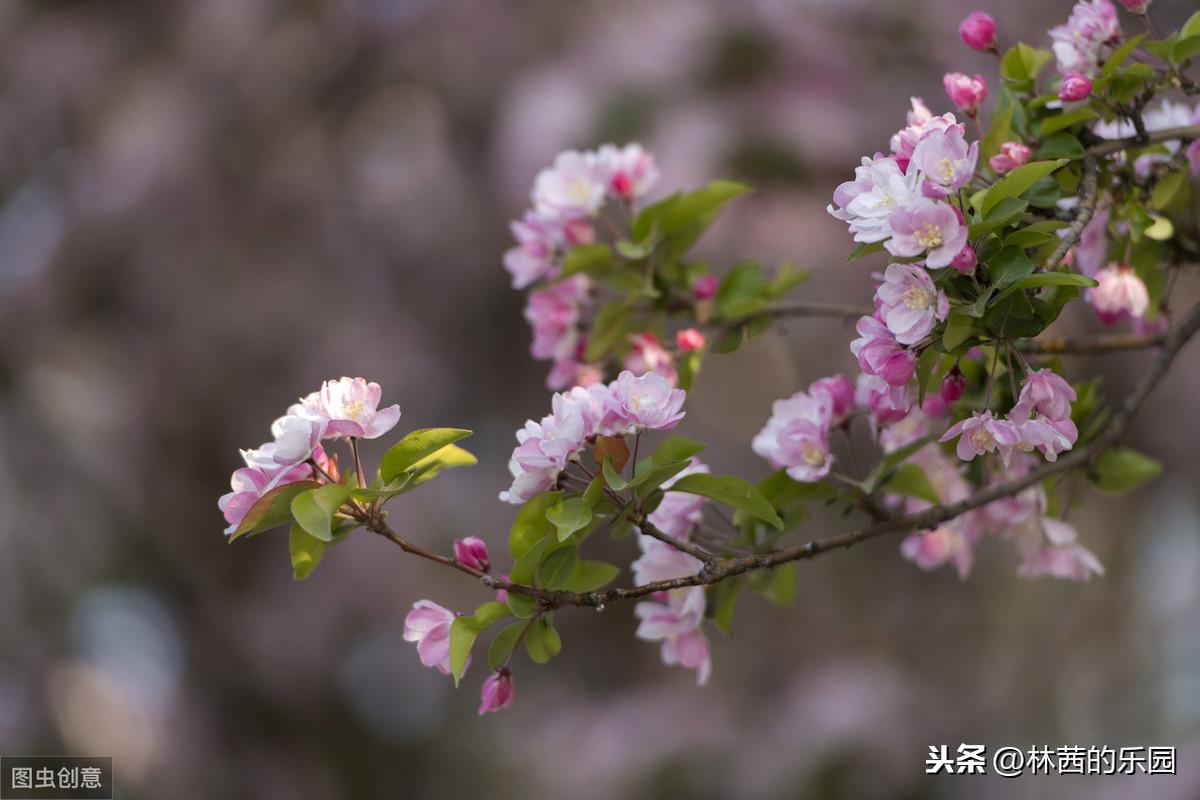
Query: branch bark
[1184,133]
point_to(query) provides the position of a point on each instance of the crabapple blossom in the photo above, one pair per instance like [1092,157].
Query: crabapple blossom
[1075,87]
[953,386]
[1050,437]
[1011,156]
[352,407]
[1050,548]
[982,433]
[672,617]
[946,544]
[978,31]
[296,436]
[1083,42]
[472,551]
[837,392]
[965,261]
[925,227]
[630,171]
[428,624]
[921,121]
[573,187]
[646,402]
[965,92]
[679,513]
[1121,294]
[909,303]
[1046,392]
[879,353]
[705,287]
[884,402]
[878,189]
[498,691]
[538,240]
[1092,250]
[946,161]
[648,355]
[689,339]
[249,483]
[796,437]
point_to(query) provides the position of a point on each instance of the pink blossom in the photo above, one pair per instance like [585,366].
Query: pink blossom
[705,287]
[1011,156]
[953,386]
[574,187]
[920,122]
[473,552]
[909,303]
[1046,392]
[879,353]
[946,162]
[935,548]
[838,393]
[904,431]
[679,513]
[545,448]
[1121,294]
[982,433]
[629,171]
[689,339]
[648,355]
[867,203]
[965,92]
[1075,87]
[538,241]
[428,624]
[648,401]
[352,407]
[250,483]
[1050,549]
[552,312]
[296,436]
[1051,437]
[1092,250]
[796,437]
[965,261]
[925,227]
[978,32]
[499,691]
[1083,42]
[884,402]
[672,617]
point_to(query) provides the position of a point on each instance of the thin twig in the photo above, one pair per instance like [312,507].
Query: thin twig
[1184,133]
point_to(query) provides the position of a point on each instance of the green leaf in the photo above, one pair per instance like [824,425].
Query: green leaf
[1009,266]
[686,215]
[924,370]
[910,480]
[777,584]
[314,509]
[676,449]
[306,551]
[1120,469]
[530,525]
[744,290]
[725,602]
[728,342]
[558,567]
[891,461]
[1055,279]
[998,134]
[1017,181]
[1021,64]
[959,328]
[1067,119]
[272,509]
[542,642]
[1191,27]
[416,446]
[526,567]
[371,494]
[569,515]
[1007,210]
[592,259]
[432,465]
[1120,56]
[865,249]
[612,478]
[1061,145]
[521,605]
[462,639]
[591,576]
[732,491]
[608,329]
[503,644]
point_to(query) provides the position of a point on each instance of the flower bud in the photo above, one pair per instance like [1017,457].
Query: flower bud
[1011,156]
[689,339]
[978,31]
[1075,87]
[705,287]
[965,92]
[1119,295]
[953,386]
[498,692]
[472,552]
[965,261]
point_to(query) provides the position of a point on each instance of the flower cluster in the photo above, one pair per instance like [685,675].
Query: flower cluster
[567,201]
[627,405]
[1082,44]
[796,437]
[346,407]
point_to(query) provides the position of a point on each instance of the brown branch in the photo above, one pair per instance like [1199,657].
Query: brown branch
[1112,343]
[695,551]
[836,310]
[1087,207]
[1185,133]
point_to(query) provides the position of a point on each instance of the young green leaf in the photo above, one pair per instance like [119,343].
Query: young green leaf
[1017,181]
[306,551]
[1120,469]
[416,446]
[569,515]
[530,525]
[590,576]
[732,491]
[272,509]
[313,510]
[503,644]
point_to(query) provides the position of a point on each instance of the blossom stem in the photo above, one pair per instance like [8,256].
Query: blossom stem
[358,468]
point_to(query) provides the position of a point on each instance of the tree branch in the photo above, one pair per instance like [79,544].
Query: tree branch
[1185,133]
[1112,343]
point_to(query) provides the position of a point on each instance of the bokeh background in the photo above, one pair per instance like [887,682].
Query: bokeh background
[206,208]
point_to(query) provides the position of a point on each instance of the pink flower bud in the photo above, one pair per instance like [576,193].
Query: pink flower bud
[1136,6]
[965,92]
[1121,294]
[1011,156]
[498,692]
[965,261]
[579,231]
[953,386]
[898,368]
[689,339]
[472,552]
[978,31]
[1075,87]
[705,287]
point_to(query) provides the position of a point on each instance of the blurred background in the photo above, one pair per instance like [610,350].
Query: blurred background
[207,208]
